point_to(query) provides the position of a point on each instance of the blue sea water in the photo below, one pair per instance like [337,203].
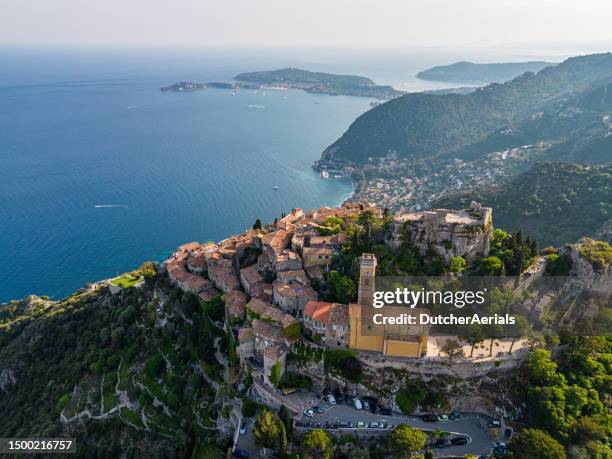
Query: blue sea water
[100,171]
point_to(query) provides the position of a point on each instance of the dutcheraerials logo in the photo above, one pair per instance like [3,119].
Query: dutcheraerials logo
[423,297]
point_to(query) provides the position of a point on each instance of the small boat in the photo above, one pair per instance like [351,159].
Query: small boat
[324,174]
[275,187]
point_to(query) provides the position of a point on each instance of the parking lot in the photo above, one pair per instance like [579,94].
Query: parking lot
[472,426]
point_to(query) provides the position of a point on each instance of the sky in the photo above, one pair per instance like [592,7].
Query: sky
[304,23]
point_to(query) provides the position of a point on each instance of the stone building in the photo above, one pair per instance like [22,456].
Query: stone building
[328,322]
[388,340]
[464,233]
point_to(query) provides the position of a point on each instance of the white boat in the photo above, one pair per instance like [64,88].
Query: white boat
[324,174]
[275,187]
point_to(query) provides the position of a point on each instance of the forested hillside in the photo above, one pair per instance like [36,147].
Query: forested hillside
[116,371]
[554,202]
[422,125]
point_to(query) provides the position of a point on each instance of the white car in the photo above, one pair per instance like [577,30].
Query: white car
[375,425]
[309,413]
[331,400]
[242,428]
[357,404]
[361,425]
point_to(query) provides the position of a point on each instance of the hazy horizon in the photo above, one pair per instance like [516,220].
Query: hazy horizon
[563,25]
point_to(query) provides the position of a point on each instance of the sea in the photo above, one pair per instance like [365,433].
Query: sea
[101,171]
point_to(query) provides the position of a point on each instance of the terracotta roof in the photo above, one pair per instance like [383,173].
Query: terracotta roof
[317,251]
[245,334]
[196,261]
[257,306]
[251,274]
[235,302]
[275,352]
[208,294]
[267,330]
[190,246]
[318,310]
[197,283]
[293,289]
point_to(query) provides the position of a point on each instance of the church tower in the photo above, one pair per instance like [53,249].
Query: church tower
[367,274]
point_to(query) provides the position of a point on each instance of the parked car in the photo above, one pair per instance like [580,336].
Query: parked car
[361,424]
[366,405]
[242,428]
[494,424]
[375,425]
[340,399]
[455,415]
[373,408]
[442,418]
[331,400]
[500,451]
[385,411]
[241,454]
[429,418]
[443,443]
[357,404]
[344,424]
[317,409]
[461,440]
[309,413]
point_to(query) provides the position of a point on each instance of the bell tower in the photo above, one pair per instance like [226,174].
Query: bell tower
[367,274]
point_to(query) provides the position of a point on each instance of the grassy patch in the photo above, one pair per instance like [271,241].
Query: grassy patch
[126,281]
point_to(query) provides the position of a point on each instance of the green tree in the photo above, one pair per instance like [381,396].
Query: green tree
[407,440]
[542,370]
[457,264]
[345,290]
[318,442]
[257,225]
[535,444]
[366,220]
[491,266]
[269,430]
[275,374]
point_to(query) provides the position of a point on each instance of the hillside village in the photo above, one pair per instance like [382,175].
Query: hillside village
[275,319]
[266,277]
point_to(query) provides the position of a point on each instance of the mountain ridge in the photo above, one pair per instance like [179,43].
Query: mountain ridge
[425,125]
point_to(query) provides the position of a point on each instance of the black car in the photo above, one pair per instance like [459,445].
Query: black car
[373,408]
[385,411]
[317,409]
[444,443]
[241,454]
[460,440]
[429,418]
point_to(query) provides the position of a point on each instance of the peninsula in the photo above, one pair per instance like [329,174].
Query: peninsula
[292,78]
[469,72]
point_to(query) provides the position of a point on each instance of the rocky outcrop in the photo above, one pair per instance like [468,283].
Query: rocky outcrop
[449,233]
[598,282]
[7,379]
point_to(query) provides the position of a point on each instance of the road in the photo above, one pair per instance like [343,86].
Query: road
[474,426]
